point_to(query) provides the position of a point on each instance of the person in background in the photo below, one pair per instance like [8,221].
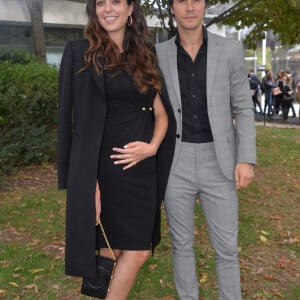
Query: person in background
[254,92]
[262,85]
[215,150]
[254,77]
[288,74]
[295,79]
[269,85]
[287,97]
[298,95]
[278,98]
[115,142]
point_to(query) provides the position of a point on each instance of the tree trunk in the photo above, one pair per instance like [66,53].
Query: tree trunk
[35,8]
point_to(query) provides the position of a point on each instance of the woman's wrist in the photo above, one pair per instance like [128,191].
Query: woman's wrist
[154,147]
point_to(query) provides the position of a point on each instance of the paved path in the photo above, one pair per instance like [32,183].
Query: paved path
[277,122]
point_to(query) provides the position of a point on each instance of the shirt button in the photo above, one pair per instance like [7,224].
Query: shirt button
[193,74]
[178,135]
[194,96]
[179,110]
[195,117]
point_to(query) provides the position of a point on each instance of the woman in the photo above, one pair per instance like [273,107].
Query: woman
[287,97]
[114,141]
[279,97]
[268,87]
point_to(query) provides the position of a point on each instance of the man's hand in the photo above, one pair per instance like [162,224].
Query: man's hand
[244,173]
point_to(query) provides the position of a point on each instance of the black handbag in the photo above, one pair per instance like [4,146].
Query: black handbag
[99,287]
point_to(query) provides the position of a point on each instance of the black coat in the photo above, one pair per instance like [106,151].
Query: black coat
[82,113]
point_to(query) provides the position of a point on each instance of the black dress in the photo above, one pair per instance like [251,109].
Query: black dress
[128,197]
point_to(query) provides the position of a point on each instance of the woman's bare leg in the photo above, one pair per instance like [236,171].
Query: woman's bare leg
[128,265]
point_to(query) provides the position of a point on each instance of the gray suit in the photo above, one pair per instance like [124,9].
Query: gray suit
[208,169]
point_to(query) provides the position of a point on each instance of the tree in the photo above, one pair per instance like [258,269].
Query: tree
[35,8]
[280,16]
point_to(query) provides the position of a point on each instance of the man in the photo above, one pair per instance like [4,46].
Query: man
[254,76]
[215,147]
[254,92]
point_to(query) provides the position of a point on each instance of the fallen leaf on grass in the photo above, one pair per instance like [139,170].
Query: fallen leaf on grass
[13,284]
[3,293]
[283,262]
[265,233]
[5,263]
[277,294]
[263,239]
[269,277]
[161,282]
[291,240]
[39,277]
[32,287]
[275,217]
[33,271]
[152,267]
[203,278]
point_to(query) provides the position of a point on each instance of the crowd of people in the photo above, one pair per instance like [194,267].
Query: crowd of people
[280,92]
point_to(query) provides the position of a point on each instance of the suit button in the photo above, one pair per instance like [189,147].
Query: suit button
[178,135]
[179,110]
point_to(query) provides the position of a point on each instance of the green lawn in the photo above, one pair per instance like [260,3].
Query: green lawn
[32,235]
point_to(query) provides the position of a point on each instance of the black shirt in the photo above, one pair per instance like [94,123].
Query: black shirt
[192,81]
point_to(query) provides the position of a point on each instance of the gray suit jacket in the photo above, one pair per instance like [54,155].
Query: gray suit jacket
[228,95]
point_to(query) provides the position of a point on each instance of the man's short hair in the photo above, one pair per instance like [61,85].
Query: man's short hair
[171,2]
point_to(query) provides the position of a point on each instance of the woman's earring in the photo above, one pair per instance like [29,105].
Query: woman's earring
[129,21]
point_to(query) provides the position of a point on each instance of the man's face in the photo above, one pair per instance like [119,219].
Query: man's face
[189,14]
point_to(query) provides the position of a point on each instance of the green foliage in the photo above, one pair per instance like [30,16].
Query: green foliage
[282,17]
[28,104]
[15,56]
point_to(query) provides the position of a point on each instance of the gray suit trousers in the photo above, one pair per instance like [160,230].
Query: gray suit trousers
[197,173]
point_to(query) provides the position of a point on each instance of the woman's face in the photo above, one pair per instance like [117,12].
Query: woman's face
[113,15]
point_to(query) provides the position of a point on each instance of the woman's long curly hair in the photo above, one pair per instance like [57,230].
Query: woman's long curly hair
[140,60]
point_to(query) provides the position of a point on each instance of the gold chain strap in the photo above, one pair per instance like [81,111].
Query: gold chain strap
[106,240]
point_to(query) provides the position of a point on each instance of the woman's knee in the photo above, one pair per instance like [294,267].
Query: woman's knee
[137,256]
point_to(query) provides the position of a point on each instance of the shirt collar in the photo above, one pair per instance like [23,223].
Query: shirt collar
[204,30]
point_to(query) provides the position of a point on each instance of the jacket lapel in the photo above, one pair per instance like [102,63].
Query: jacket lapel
[172,62]
[213,51]
[98,79]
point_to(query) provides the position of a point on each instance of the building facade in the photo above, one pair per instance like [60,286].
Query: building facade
[63,21]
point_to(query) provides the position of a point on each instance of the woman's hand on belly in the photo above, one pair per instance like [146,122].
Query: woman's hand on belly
[133,153]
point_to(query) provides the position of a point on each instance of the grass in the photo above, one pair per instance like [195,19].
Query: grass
[32,236]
